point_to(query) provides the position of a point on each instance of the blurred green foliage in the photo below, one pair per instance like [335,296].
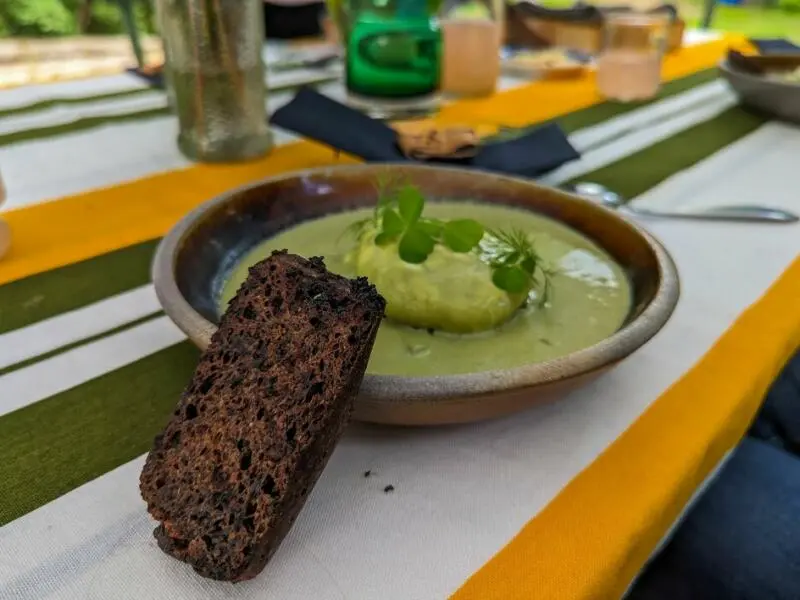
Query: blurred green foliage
[51,18]
[790,6]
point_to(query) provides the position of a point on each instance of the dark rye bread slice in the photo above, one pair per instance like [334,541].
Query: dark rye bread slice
[264,410]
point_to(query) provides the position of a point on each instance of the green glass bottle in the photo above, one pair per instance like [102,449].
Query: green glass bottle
[393,48]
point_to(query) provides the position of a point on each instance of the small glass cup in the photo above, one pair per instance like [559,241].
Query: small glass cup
[471,37]
[629,65]
[392,56]
[216,77]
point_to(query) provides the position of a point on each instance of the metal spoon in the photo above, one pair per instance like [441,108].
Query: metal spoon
[748,213]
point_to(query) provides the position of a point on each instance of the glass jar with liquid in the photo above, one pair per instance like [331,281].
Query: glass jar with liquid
[472,33]
[629,65]
[216,77]
[392,51]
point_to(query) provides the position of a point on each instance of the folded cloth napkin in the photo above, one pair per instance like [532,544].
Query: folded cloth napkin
[775,46]
[319,118]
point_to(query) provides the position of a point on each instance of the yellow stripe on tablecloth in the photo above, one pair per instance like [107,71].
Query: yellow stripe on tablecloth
[62,232]
[595,536]
[66,231]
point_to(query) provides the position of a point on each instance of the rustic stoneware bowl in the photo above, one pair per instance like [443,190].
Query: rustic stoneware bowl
[775,98]
[194,259]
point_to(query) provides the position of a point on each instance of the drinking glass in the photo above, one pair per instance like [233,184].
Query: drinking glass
[392,53]
[629,65]
[213,55]
[471,36]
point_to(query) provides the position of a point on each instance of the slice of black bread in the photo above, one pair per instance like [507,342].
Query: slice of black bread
[263,412]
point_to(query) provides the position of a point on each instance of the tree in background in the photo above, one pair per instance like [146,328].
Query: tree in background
[40,18]
[37,17]
[84,15]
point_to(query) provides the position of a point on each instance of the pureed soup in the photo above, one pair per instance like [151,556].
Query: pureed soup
[589,296]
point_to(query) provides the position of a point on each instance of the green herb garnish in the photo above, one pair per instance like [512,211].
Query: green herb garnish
[398,216]
[516,267]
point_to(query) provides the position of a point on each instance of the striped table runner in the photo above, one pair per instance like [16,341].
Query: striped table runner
[563,501]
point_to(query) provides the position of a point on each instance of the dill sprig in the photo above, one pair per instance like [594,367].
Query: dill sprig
[357,228]
[516,266]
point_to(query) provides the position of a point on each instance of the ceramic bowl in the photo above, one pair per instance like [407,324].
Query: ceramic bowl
[195,258]
[775,98]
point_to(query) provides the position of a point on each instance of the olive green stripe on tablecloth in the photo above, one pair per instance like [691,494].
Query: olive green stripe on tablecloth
[73,345]
[53,102]
[64,441]
[28,135]
[647,168]
[598,113]
[27,301]
[55,445]
[90,122]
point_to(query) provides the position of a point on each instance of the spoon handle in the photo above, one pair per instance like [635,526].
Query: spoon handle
[751,214]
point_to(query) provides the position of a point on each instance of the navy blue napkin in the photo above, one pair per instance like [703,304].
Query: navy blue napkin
[775,46]
[319,118]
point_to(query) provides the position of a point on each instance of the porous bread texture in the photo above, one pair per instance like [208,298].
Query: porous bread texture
[266,405]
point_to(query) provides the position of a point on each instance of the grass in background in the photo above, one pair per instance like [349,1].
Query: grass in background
[750,20]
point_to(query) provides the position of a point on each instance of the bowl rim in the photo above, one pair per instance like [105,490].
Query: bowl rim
[440,388]
[724,65]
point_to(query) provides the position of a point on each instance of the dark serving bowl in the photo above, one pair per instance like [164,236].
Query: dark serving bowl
[775,98]
[194,259]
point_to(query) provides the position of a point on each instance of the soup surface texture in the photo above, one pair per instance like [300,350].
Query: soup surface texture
[590,296]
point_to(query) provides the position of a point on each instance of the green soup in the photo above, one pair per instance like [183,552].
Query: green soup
[589,301]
